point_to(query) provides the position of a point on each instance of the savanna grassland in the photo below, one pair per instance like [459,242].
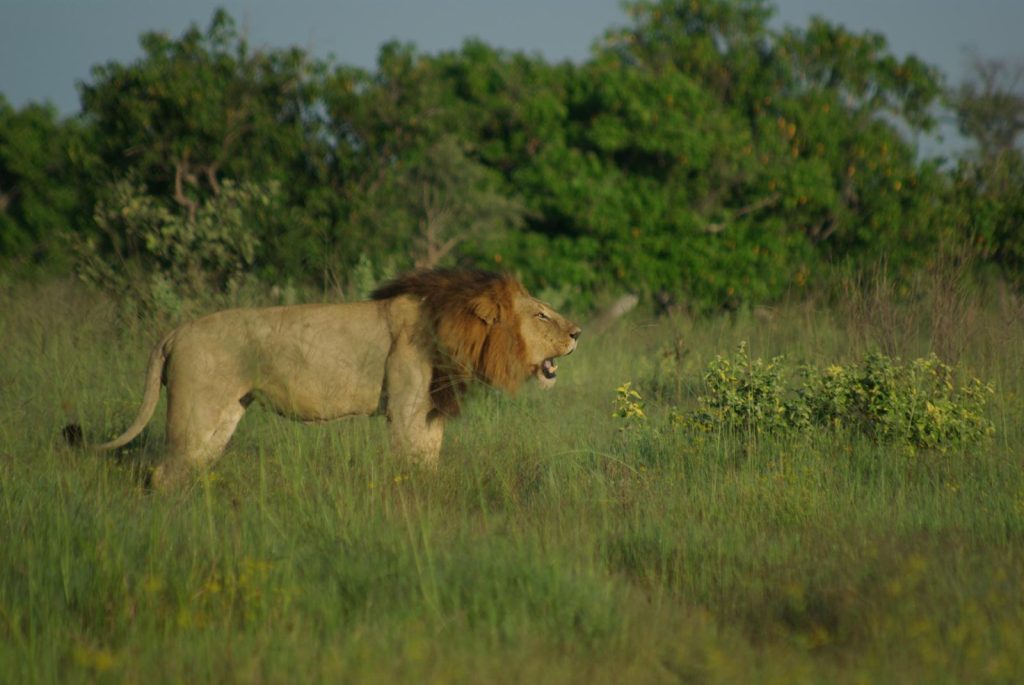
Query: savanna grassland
[555,543]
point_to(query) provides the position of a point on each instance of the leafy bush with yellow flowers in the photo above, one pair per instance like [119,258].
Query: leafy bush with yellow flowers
[925,403]
[741,392]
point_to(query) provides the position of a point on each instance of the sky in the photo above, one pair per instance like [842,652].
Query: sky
[47,46]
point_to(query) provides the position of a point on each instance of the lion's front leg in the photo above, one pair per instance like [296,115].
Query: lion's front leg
[417,430]
[418,437]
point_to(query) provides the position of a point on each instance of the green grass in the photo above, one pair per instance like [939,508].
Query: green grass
[549,546]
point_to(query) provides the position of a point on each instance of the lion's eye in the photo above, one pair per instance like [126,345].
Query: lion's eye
[542,316]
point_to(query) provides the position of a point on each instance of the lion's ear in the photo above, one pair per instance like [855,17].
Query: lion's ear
[485,309]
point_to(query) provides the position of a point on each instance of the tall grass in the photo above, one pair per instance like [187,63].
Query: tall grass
[548,547]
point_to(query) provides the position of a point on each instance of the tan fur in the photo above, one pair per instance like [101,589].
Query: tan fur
[409,353]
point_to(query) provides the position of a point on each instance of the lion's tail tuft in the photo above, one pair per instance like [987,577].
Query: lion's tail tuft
[72,433]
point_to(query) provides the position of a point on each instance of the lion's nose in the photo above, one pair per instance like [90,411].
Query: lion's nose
[575,334]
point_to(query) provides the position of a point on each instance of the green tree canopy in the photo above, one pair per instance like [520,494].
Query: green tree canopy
[698,155]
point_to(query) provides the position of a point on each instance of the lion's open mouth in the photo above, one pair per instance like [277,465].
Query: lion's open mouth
[549,369]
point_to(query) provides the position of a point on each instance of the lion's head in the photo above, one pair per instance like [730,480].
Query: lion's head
[484,325]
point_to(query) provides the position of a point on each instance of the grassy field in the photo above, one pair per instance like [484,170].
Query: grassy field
[549,547]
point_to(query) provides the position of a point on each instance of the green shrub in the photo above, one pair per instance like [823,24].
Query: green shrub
[164,256]
[629,405]
[925,404]
[745,393]
[920,403]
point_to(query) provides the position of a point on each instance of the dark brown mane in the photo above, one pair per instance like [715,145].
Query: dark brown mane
[440,283]
[472,327]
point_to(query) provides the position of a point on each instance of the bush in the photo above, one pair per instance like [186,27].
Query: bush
[745,393]
[925,404]
[918,403]
[165,256]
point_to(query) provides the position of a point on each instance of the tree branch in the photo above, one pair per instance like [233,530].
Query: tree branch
[764,202]
[181,173]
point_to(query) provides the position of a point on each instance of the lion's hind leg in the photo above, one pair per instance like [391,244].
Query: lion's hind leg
[198,430]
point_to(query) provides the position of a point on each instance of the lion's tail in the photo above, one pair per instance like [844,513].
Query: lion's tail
[150,397]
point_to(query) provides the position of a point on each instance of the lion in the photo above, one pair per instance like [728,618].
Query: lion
[409,353]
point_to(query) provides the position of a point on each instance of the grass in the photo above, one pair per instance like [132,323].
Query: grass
[549,546]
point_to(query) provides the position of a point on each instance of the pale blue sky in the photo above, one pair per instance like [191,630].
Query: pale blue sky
[46,46]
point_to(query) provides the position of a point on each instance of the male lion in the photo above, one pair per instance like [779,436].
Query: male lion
[409,353]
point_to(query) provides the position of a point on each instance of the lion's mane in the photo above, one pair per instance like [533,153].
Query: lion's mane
[472,328]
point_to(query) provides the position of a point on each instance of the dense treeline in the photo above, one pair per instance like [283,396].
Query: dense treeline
[697,156]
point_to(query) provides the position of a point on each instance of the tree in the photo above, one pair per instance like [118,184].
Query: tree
[453,200]
[989,106]
[200,107]
[40,194]
[986,201]
[698,154]
[202,110]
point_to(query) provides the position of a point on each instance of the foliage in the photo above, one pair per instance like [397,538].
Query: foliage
[745,393]
[197,114]
[201,107]
[629,404]
[40,194]
[698,156]
[990,107]
[986,206]
[986,202]
[921,404]
[444,200]
[163,256]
